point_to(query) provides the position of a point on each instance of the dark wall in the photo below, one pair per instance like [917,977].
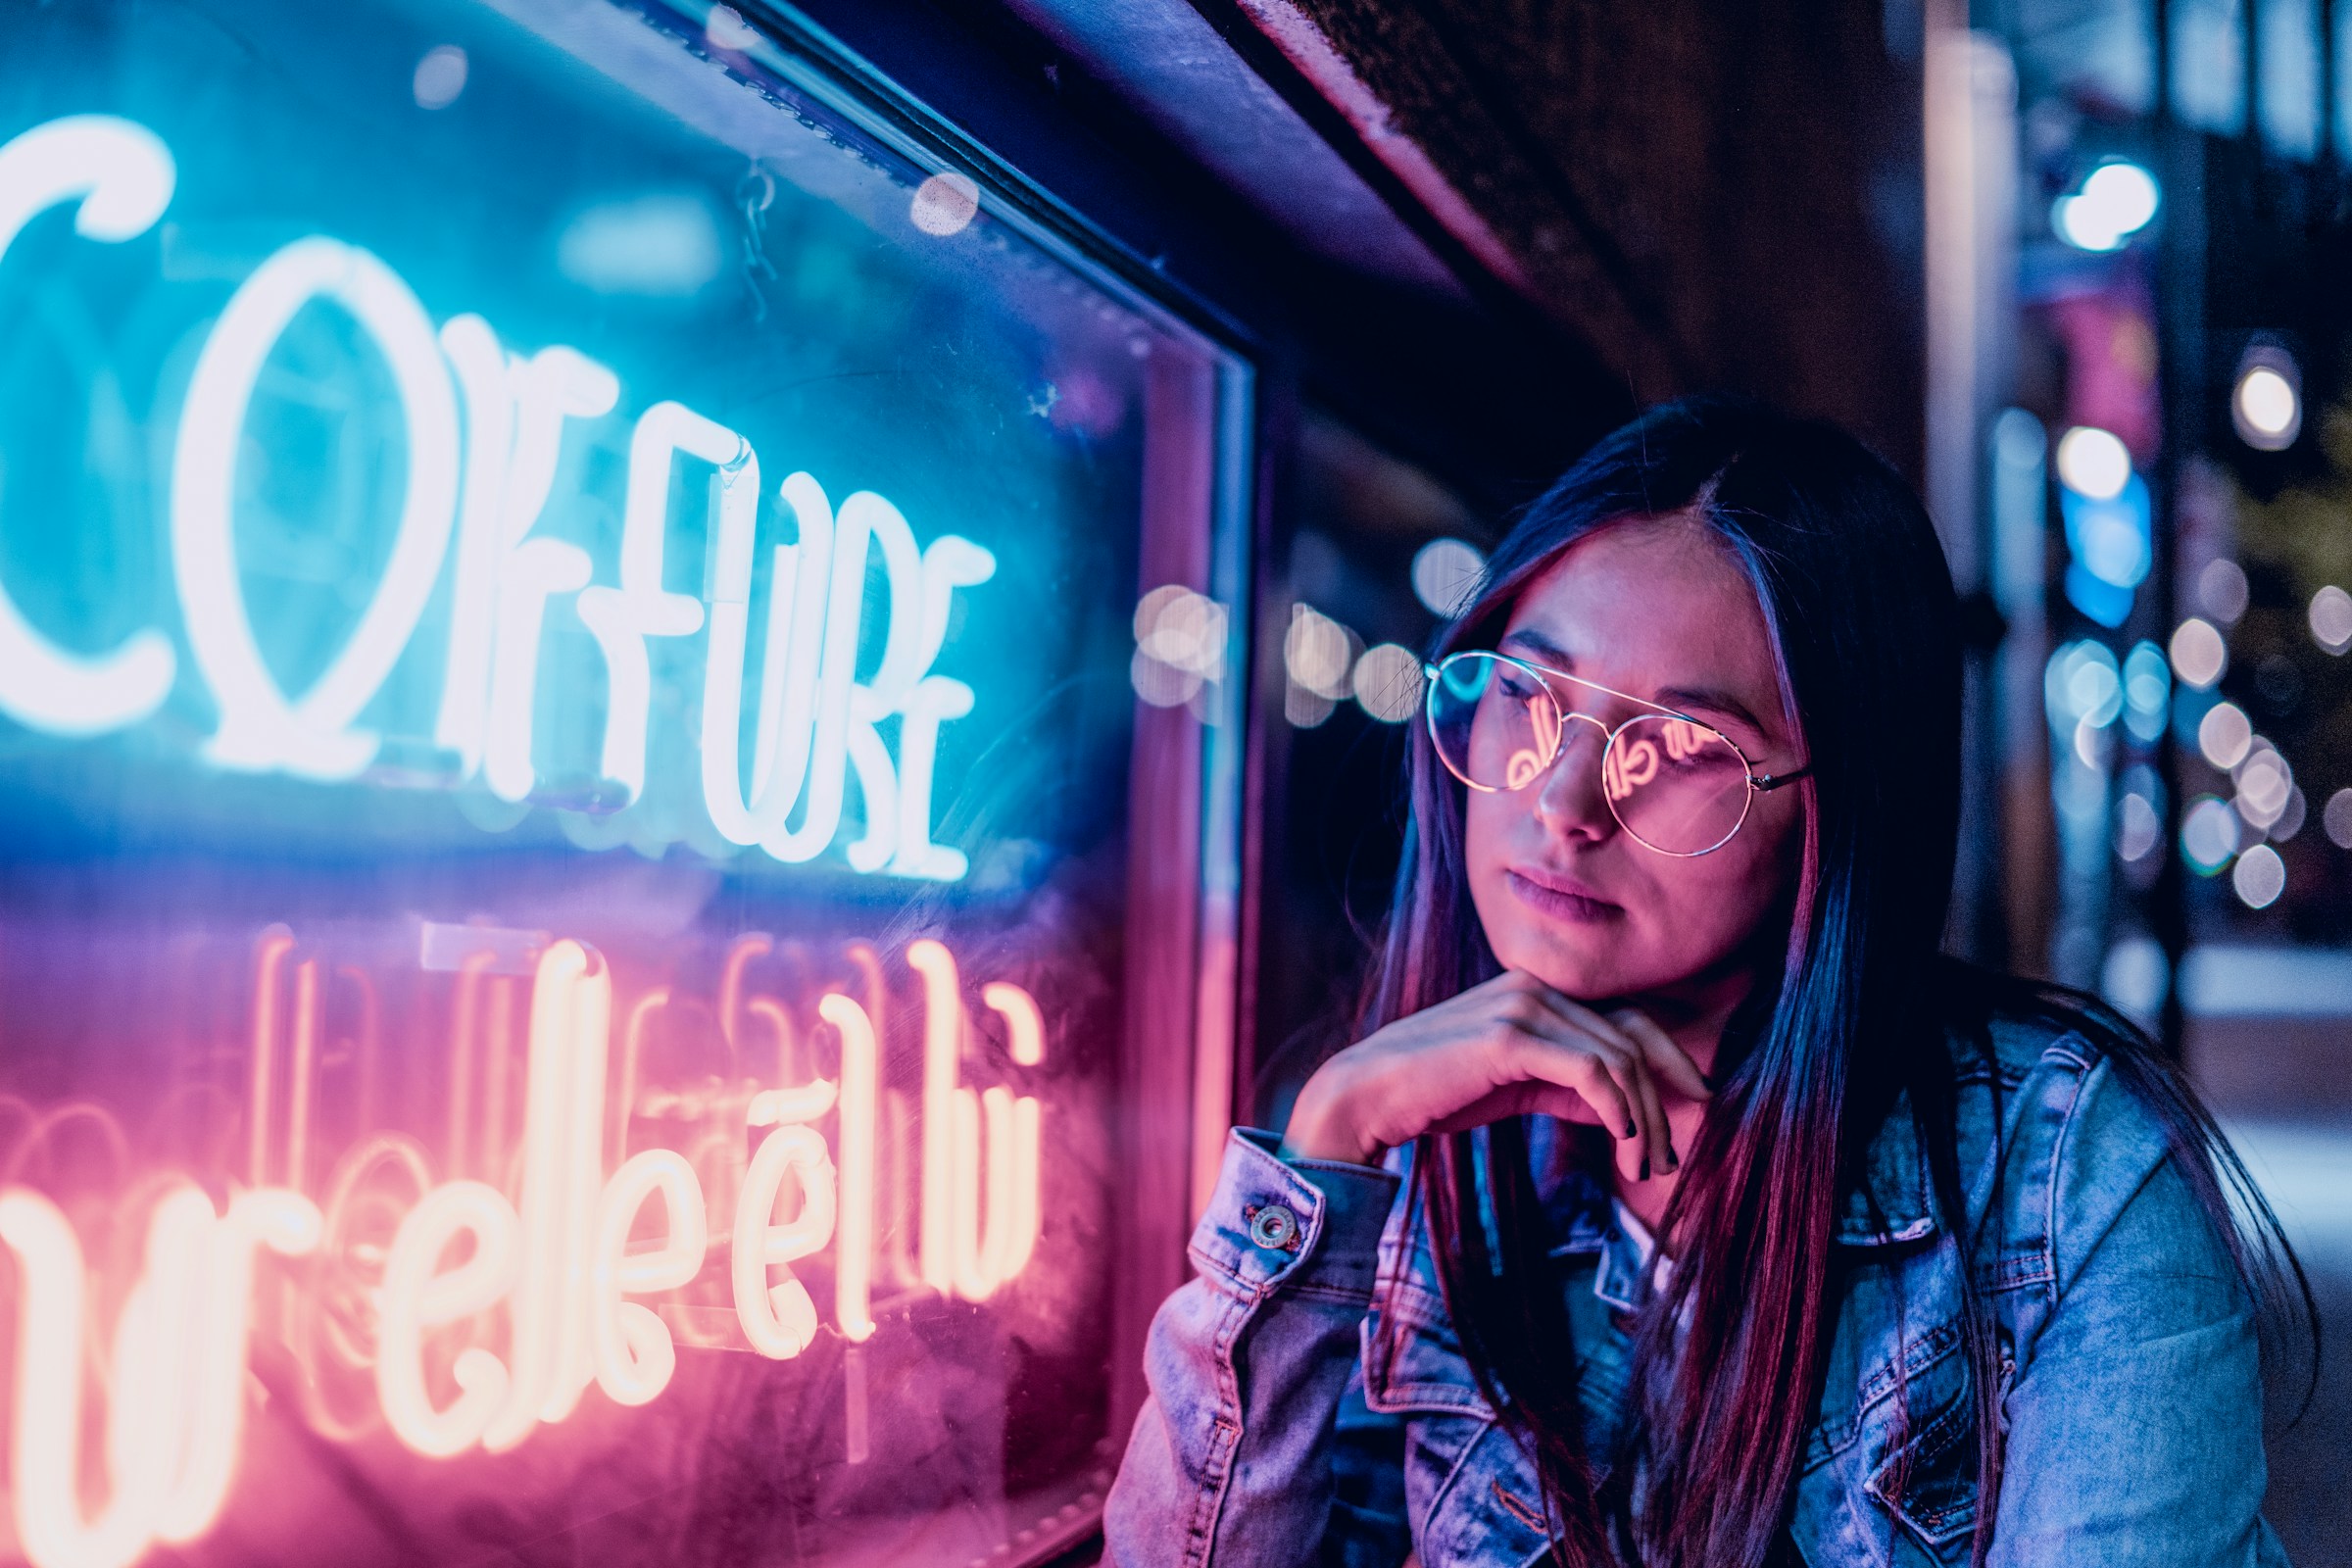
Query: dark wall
[1712,193]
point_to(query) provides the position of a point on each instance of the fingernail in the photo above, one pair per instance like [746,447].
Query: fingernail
[1631,1131]
[1674,1161]
[1644,1176]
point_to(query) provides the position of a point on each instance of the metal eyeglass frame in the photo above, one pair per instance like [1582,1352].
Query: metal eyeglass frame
[1758,783]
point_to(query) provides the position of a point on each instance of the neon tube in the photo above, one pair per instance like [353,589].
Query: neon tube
[634,1353]
[418,1295]
[583,1165]
[260,727]
[836,666]
[778,1317]
[741,953]
[123,176]
[291,1226]
[943,1174]
[515,410]
[302,1080]
[538,1302]
[640,607]
[853,1248]
[788,678]
[45,1441]
[261,1056]
[934,699]
[481,366]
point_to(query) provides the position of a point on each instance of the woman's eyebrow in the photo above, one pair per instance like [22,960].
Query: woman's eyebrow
[1543,648]
[1708,699]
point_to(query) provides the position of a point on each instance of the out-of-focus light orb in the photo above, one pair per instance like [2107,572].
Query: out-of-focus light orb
[1179,644]
[2332,618]
[2225,735]
[2263,784]
[2147,691]
[2336,820]
[2221,590]
[2290,821]
[2269,409]
[440,77]
[2082,685]
[1387,682]
[727,28]
[2208,835]
[2199,656]
[2117,200]
[1183,628]
[2266,404]
[2137,829]
[1445,572]
[945,204]
[1318,653]
[2093,463]
[1159,683]
[659,245]
[2259,877]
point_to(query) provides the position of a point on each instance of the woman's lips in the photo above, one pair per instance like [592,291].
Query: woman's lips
[1561,896]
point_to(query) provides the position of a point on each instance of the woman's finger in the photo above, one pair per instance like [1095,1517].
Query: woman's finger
[1657,1144]
[1666,1057]
[1576,1062]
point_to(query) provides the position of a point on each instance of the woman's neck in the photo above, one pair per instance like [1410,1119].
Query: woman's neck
[1695,1012]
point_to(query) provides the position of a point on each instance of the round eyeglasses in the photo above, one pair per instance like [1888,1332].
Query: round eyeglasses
[1675,784]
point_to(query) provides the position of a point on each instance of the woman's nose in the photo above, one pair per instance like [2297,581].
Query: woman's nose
[1568,798]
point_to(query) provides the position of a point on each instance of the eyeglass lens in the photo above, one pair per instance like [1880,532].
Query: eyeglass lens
[1676,786]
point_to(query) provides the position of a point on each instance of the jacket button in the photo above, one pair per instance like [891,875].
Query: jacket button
[1274,1227]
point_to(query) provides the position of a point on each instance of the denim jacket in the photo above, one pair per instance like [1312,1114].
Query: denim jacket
[1287,1427]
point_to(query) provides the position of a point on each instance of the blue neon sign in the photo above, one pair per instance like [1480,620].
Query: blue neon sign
[711,493]
[488,487]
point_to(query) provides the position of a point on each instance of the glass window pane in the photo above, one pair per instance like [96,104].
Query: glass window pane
[569,699]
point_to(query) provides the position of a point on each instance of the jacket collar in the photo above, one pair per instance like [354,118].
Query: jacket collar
[1891,1205]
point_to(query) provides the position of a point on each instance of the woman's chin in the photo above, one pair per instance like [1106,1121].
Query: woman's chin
[1581,977]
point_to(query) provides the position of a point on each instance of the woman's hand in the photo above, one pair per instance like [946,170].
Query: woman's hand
[1510,1047]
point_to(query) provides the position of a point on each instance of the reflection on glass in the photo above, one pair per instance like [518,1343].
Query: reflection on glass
[566,881]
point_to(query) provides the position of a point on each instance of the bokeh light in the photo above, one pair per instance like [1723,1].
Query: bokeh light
[2259,877]
[2147,691]
[2267,404]
[1445,572]
[2225,735]
[2336,820]
[1318,653]
[945,204]
[2208,835]
[2221,590]
[2137,829]
[2116,199]
[1180,637]
[2093,463]
[2332,618]
[2199,655]
[440,77]
[1387,682]
[2265,783]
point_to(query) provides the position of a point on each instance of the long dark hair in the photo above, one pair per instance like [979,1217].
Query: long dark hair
[1851,1016]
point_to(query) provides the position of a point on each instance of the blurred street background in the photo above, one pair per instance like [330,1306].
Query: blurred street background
[2080,267]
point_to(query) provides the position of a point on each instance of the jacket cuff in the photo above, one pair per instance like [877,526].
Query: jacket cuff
[1311,1224]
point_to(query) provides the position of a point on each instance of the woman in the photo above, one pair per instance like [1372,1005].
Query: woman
[1687,1128]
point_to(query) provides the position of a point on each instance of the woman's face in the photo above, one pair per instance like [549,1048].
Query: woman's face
[1659,608]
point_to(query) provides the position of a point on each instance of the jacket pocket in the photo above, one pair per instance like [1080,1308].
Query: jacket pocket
[1928,1477]
[1413,1360]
